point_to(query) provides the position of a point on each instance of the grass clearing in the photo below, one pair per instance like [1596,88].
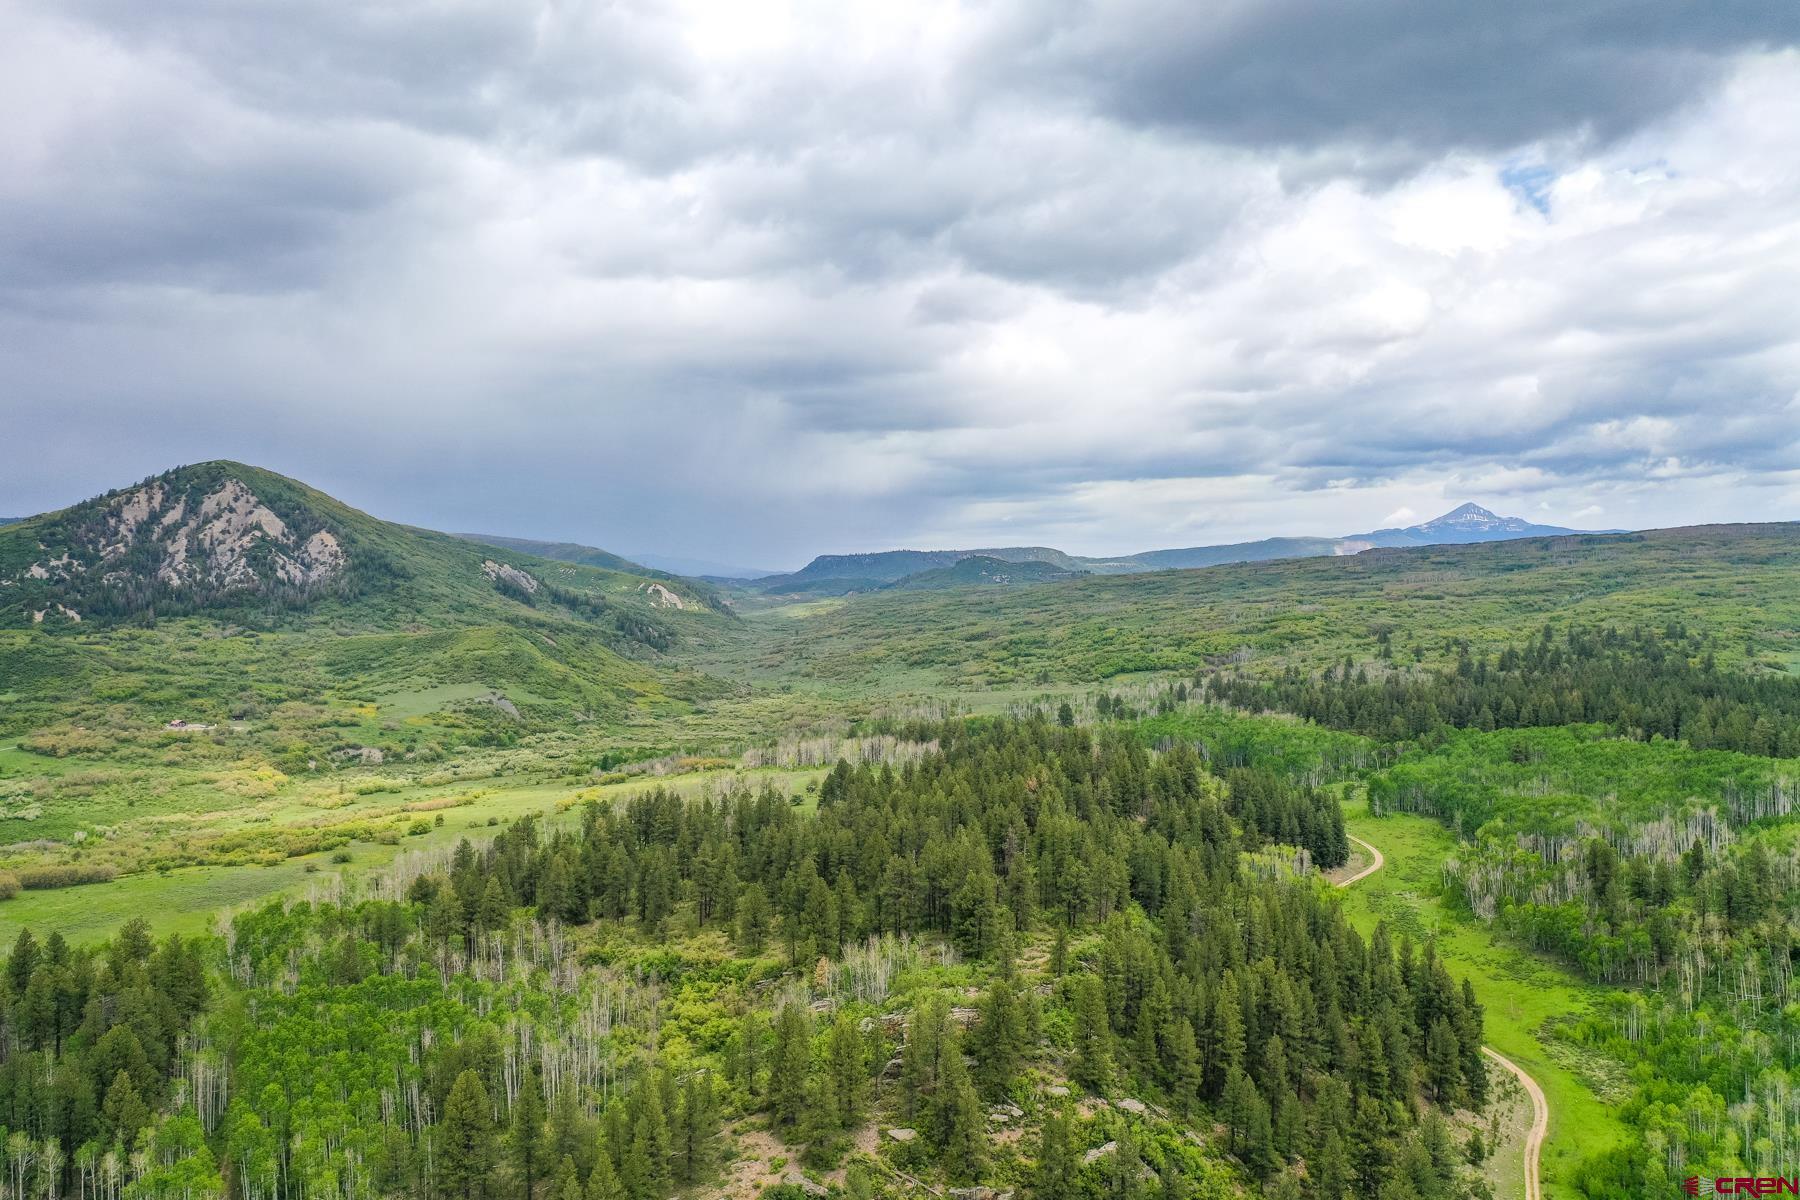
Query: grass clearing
[188,900]
[1521,991]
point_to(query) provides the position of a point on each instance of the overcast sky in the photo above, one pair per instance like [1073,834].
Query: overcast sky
[754,281]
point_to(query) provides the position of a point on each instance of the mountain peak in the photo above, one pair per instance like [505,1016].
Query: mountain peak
[1469,509]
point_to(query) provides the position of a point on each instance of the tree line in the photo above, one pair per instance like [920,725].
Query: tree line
[1640,683]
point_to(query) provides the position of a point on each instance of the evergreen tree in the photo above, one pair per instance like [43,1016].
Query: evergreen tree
[698,1128]
[1001,1040]
[959,1119]
[465,1151]
[1057,1173]
[1093,1036]
[603,1181]
[790,1065]
[567,1185]
[525,1134]
[847,1064]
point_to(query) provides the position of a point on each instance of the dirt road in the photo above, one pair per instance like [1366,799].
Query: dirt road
[1540,1108]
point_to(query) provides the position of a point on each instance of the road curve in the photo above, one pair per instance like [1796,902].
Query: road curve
[1376,862]
[1540,1121]
[1540,1107]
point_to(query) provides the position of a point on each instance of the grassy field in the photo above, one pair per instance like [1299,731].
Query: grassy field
[188,899]
[1522,992]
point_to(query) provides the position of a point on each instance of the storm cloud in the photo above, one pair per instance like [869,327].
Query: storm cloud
[754,281]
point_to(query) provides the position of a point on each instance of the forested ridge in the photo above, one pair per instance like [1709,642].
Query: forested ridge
[1639,683]
[579,1011]
[1625,805]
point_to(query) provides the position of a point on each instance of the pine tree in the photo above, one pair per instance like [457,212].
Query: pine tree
[1181,1061]
[960,1124]
[1330,1168]
[491,912]
[698,1128]
[465,1152]
[568,1181]
[1443,1061]
[22,963]
[647,1174]
[525,1134]
[846,1057]
[571,1134]
[919,1058]
[790,1065]
[124,1110]
[1000,1044]
[1093,1036]
[603,1181]
[752,919]
[1057,1174]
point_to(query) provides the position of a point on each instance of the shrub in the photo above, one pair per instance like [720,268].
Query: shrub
[65,875]
[9,885]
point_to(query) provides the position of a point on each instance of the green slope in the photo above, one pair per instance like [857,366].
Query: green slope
[980,570]
[401,609]
[153,550]
[1739,582]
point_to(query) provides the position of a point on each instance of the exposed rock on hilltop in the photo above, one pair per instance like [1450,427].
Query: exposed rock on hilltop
[185,539]
[260,550]
[230,539]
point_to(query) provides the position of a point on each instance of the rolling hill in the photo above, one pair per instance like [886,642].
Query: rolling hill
[572,552]
[841,574]
[222,579]
[222,538]
[1740,582]
[981,570]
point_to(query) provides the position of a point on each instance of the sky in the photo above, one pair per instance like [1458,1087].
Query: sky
[754,280]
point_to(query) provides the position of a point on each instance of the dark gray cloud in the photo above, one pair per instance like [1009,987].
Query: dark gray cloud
[756,281]
[1393,73]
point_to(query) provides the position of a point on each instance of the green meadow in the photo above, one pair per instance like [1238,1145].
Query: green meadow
[1527,996]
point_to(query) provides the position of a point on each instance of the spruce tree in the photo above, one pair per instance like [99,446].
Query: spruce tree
[525,1134]
[848,1067]
[1057,1173]
[790,1065]
[465,1151]
[959,1120]
[1001,1038]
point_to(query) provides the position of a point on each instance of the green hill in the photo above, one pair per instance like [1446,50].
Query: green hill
[1739,582]
[227,539]
[980,570]
[223,587]
[838,574]
[569,552]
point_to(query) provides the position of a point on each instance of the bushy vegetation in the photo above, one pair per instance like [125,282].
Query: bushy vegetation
[1638,683]
[582,1012]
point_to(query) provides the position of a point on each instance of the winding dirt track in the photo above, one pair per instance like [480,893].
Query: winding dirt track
[1540,1121]
[1376,862]
[1540,1107]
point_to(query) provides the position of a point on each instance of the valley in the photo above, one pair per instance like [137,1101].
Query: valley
[1006,873]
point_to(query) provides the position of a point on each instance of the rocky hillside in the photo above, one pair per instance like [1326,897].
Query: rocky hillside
[189,539]
[228,539]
